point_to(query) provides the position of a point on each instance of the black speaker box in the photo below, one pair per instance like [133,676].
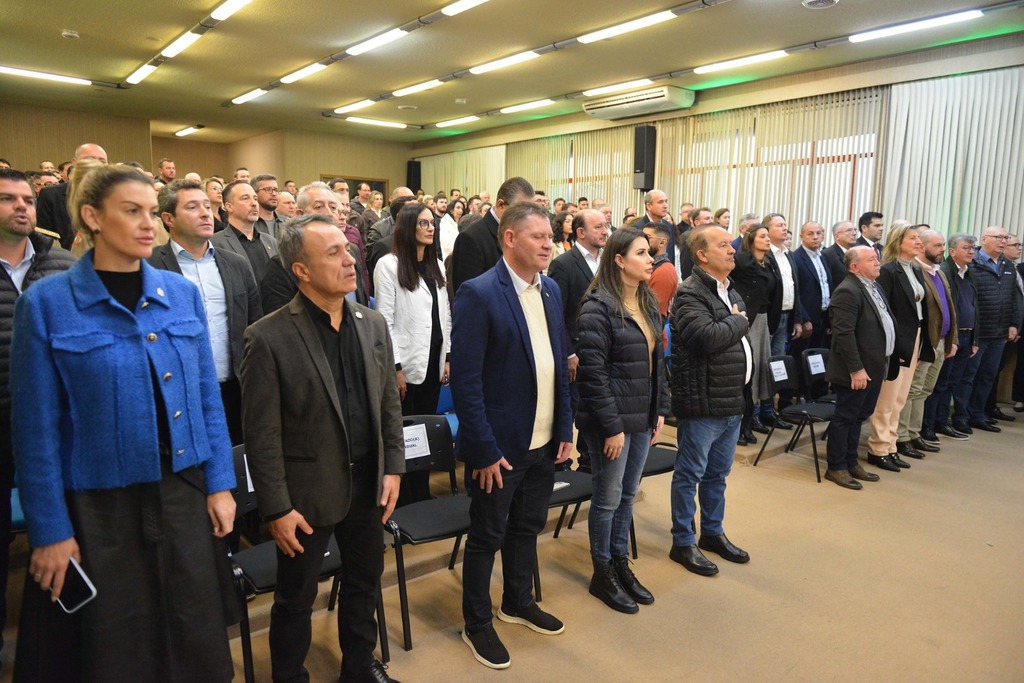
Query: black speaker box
[413,179]
[644,140]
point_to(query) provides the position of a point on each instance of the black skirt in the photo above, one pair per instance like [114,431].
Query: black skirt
[160,608]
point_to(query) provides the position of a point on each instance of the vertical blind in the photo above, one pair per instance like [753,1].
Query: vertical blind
[545,162]
[472,171]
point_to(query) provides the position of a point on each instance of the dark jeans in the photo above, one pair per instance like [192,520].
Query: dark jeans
[936,406]
[361,542]
[615,485]
[982,373]
[1009,349]
[506,519]
[852,409]
[420,399]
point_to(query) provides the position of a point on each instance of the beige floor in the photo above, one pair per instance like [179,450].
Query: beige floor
[915,578]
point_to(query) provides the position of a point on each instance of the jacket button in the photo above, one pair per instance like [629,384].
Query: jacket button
[167,376]
[159,291]
[177,414]
[181,451]
[151,337]
[145,304]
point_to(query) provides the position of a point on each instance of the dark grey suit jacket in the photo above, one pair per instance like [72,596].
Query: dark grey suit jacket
[52,213]
[858,338]
[571,272]
[227,239]
[240,291]
[295,433]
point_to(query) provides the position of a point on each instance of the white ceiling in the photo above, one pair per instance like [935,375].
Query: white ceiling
[270,38]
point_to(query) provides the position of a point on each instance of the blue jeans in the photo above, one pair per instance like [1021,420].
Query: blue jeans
[936,406]
[983,370]
[615,486]
[707,446]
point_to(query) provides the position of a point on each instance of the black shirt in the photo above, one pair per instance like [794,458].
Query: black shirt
[345,358]
[254,251]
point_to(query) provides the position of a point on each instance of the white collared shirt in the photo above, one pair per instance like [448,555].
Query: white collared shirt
[519,283]
[788,289]
[589,258]
[18,272]
[723,294]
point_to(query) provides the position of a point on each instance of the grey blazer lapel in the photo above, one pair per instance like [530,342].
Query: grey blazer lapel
[316,353]
[367,343]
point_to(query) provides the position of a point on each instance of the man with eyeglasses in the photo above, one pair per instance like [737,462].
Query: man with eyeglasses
[268,196]
[1012,254]
[844,236]
[999,316]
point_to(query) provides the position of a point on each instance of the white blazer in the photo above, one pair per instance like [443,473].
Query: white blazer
[447,232]
[408,315]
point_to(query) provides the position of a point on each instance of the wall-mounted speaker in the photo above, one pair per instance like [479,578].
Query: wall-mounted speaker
[644,140]
[413,177]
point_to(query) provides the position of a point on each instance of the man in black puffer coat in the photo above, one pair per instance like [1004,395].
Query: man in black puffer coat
[711,361]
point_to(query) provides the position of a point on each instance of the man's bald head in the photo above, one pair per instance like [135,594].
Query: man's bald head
[91,151]
[400,191]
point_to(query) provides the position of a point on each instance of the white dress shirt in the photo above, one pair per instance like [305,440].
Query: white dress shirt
[787,278]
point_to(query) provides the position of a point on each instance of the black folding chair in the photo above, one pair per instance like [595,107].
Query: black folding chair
[428,447]
[814,362]
[661,459]
[782,375]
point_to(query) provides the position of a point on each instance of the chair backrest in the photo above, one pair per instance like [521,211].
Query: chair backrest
[782,373]
[429,445]
[445,402]
[244,493]
[814,362]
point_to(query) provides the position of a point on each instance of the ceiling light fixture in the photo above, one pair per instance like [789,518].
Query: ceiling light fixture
[188,131]
[141,73]
[12,71]
[742,61]
[303,72]
[529,105]
[354,106]
[376,122]
[179,45]
[228,8]
[502,63]
[618,88]
[916,26]
[456,122]
[612,31]
[417,88]
[373,43]
[461,6]
[251,95]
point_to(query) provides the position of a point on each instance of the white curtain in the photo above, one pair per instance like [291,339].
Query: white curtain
[955,152]
[472,171]
[545,162]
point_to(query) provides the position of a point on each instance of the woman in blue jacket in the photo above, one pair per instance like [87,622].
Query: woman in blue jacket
[122,455]
[624,397]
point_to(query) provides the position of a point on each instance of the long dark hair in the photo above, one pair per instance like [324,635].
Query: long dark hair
[404,248]
[557,236]
[609,277]
[747,244]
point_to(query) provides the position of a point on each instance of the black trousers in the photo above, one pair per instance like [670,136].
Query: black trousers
[506,519]
[852,408]
[231,397]
[420,399]
[361,542]
[6,536]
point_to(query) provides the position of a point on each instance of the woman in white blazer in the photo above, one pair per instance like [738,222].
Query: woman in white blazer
[410,293]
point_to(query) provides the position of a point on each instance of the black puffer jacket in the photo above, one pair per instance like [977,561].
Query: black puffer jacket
[708,362]
[49,259]
[620,390]
[997,301]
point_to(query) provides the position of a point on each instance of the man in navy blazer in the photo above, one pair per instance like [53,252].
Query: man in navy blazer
[510,386]
[816,286]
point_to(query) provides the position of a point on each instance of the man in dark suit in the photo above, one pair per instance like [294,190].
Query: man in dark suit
[230,294]
[786,307]
[52,204]
[816,285]
[863,338]
[476,248]
[656,211]
[323,432]
[510,385]
[871,227]
[241,236]
[844,236]
[573,271]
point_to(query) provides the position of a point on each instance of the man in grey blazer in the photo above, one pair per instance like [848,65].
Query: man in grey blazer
[241,236]
[225,280]
[323,431]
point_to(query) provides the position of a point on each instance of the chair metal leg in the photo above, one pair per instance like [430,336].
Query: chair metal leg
[403,596]
[632,538]
[764,445]
[455,552]
[814,447]
[332,602]
[575,511]
[791,446]
[382,627]
[561,519]
[536,581]
[243,626]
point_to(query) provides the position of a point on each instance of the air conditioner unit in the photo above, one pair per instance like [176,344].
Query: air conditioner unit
[640,102]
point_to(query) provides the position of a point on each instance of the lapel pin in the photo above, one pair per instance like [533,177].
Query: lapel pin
[359,315]
[159,291]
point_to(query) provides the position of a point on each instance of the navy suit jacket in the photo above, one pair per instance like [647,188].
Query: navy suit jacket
[493,374]
[810,287]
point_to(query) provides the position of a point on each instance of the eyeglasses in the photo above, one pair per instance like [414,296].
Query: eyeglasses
[424,224]
[271,190]
[1001,238]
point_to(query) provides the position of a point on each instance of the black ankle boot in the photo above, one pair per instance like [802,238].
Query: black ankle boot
[629,581]
[606,587]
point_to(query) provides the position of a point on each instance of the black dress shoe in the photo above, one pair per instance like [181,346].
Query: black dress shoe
[758,426]
[605,586]
[1000,415]
[1018,408]
[741,441]
[900,462]
[747,435]
[858,472]
[723,547]
[884,462]
[920,444]
[985,427]
[907,449]
[962,428]
[376,673]
[774,419]
[928,436]
[693,559]
[629,581]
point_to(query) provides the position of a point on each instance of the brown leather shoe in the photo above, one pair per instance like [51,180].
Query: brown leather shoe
[858,472]
[843,478]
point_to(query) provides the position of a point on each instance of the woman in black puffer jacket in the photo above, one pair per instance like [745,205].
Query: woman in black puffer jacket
[623,400]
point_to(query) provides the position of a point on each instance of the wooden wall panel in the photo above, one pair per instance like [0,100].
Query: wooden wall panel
[205,158]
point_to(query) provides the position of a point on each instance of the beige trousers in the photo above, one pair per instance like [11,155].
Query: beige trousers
[885,421]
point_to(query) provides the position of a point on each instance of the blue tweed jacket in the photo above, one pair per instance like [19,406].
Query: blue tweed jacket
[83,408]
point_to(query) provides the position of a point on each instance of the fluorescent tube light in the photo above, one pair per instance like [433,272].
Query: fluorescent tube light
[141,73]
[417,88]
[456,122]
[742,61]
[303,72]
[916,26]
[528,105]
[186,131]
[461,6]
[617,88]
[612,31]
[352,107]
[376,122]
[228,8]
[251,95]
[372,43]
[11,71]
[178,46]
[502,63]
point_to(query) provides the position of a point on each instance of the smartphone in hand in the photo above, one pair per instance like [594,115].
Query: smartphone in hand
[77,589]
